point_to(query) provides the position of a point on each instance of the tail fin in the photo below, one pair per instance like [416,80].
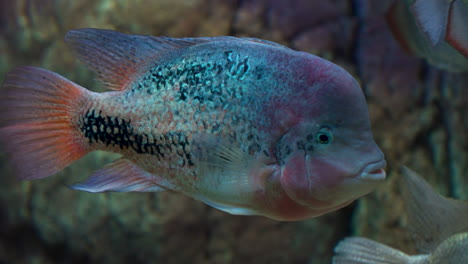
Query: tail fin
[36,130]
[359,250]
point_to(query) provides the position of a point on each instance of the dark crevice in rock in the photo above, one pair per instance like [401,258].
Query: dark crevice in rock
[357,13]
[13,240]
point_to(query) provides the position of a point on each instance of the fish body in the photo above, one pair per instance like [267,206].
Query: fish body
[432,218]
[438,225]
[245,125]
[433,29]
[359,250]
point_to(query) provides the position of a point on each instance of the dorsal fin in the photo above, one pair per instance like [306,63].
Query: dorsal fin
[117,57]
[262,41]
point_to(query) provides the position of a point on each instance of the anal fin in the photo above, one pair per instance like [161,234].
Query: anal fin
[120,176]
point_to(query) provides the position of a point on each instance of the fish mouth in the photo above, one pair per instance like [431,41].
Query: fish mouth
[373,171]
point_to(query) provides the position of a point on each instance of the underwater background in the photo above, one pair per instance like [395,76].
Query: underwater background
[419,117]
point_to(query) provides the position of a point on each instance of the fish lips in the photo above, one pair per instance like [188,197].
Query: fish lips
[373,171]
[362,183]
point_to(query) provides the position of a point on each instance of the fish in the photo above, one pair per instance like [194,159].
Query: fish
[359,250]
[432,218]
[437,224]
[432,29]
[247,126]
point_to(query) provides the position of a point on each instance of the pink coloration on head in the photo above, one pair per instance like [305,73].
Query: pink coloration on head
[285,206]
[327,154]
[292,178]
[297,185]
[316,86]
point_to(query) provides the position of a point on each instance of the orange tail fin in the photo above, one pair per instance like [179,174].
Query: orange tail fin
[36,129]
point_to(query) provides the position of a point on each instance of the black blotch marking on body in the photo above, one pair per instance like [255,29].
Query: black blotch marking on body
[119,132]
[106,129]
[282,151]
[300,145]
[309,144]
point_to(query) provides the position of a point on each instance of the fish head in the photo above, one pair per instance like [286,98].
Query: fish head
[328,156]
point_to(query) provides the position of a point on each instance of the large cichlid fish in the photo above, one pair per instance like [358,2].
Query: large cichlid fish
[245,125]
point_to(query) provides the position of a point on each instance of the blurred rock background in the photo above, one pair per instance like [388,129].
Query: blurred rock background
[419,116]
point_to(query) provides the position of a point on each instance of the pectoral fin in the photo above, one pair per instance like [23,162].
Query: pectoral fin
[229,176]
[120,176]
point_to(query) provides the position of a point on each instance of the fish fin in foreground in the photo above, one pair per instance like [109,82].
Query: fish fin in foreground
[457,28]
[118,58]
[36,107]
[427,209]
[120,176]
[452,251]
[359,250]
[230,171]
[431,17]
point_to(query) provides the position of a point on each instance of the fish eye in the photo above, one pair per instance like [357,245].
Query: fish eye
[324,136]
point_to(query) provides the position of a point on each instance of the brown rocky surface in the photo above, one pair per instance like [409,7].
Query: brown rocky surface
[419,116]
